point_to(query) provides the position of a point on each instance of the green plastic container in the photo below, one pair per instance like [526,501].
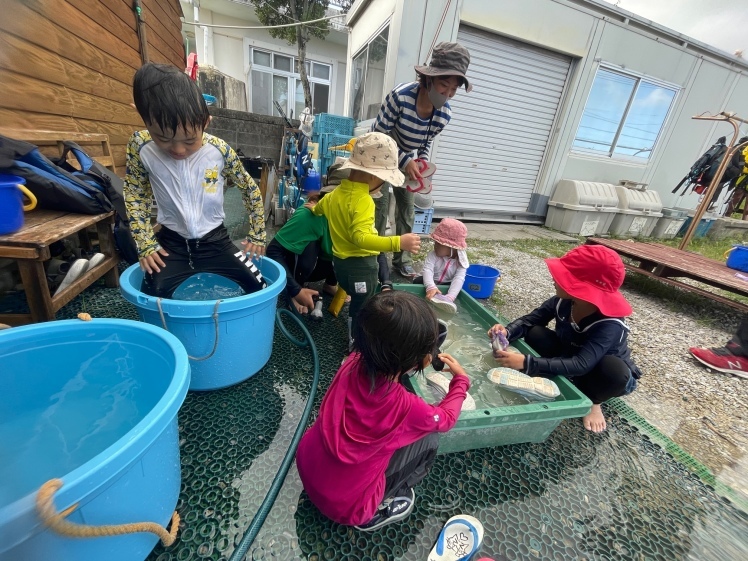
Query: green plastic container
[497,426]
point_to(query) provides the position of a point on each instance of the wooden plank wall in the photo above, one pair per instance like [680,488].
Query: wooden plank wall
[67,65]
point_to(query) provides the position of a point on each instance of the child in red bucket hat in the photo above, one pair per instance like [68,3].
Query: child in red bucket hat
[589,345]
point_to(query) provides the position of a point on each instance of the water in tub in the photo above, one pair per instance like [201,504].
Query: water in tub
[468,342]
[74,402]
[207,286]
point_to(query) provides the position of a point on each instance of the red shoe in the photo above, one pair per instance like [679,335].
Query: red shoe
[722,360]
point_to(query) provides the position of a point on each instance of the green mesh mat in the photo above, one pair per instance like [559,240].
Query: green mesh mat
[629,493]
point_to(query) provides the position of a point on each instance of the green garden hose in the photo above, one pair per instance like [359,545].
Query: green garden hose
[254,527]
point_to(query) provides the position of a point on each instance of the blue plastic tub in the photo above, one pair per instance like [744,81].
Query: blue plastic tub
[480,280]
[94,404]
[245,327]
[701,230]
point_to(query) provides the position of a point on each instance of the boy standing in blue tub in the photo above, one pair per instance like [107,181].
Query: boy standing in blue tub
[185,169]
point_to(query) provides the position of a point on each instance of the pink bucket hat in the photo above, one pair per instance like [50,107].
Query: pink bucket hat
[452,233]
[592,273]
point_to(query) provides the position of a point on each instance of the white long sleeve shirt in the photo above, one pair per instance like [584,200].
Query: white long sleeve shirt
[444,270]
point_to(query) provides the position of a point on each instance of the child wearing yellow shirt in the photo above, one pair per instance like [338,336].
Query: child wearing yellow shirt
[350,214]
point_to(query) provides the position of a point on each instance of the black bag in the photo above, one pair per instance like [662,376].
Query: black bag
[59,186]
[113,186]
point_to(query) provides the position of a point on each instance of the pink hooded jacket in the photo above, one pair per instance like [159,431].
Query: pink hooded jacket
[342,458]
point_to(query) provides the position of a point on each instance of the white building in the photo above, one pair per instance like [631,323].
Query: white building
[266,66]
[572,89]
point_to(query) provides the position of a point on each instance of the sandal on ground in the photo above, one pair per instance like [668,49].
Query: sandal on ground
[459,540]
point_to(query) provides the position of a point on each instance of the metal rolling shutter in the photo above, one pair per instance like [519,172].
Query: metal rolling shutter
[489,155]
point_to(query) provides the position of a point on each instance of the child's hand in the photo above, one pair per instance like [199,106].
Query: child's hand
[515,361]
[153,262]
[451,364]
[310,206]
[410,242]
[253,250]
[431,292]
[498,328]
[305,298]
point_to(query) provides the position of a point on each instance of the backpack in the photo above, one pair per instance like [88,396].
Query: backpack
[57,185]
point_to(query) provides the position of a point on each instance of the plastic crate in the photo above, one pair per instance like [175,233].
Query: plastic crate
[328,160]
[498,426]
[422,221]
[326,123]
[327,141]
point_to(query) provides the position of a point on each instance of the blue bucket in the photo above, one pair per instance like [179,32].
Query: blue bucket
[737,258]
[94,404]
[244,327]
[480,280]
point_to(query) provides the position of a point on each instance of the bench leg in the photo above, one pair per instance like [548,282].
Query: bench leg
[34,279]
[106,246]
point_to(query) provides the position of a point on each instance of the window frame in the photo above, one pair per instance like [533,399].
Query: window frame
[291,77]
[639,78]
[364,50]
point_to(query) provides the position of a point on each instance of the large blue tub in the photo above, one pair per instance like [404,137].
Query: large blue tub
[245,327]
[94,404]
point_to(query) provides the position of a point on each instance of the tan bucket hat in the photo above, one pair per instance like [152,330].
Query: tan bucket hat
[376,153]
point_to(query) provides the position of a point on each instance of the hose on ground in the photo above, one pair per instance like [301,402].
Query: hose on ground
[259,519]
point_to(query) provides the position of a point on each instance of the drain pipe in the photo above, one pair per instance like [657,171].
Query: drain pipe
[254,527]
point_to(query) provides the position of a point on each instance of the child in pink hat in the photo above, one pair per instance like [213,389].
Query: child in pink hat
[447,263]
[589,344]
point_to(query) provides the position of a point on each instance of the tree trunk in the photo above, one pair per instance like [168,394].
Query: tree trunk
[302,37]
[301,42]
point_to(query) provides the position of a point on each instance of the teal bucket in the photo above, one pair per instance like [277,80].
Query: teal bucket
[228,340]
[480,280]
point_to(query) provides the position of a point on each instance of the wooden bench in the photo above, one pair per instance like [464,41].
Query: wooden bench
[30,245]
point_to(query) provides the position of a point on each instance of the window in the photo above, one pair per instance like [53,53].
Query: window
[368,78]
[624,116]
[275,77]
[190,46]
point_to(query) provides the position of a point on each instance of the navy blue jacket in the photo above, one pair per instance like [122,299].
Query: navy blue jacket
[583,345]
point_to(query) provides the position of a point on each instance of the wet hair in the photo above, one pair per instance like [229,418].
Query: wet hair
[167,97]
[394,332]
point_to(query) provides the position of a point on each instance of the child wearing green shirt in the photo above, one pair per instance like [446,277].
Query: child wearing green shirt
[304,248]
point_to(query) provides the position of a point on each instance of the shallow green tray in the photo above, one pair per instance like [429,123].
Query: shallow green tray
[497,426]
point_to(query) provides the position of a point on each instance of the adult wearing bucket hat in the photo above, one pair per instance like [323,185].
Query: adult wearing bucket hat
[589,345]
[413,114]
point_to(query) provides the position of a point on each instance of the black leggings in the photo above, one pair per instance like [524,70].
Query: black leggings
[213,253]
[409,465]
[302,268]
[609,378]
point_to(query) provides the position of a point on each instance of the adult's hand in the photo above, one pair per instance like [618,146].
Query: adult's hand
[412,170]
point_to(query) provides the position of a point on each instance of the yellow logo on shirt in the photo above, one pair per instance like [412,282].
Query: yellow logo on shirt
[210,180]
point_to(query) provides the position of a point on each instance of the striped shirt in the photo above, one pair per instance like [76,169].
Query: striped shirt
[399,119]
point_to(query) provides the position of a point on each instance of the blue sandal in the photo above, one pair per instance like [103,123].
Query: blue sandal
[459,540]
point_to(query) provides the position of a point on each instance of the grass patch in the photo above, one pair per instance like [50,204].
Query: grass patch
[714,249]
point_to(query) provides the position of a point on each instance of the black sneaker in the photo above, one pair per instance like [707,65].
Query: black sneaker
[391,511]
[406,271]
